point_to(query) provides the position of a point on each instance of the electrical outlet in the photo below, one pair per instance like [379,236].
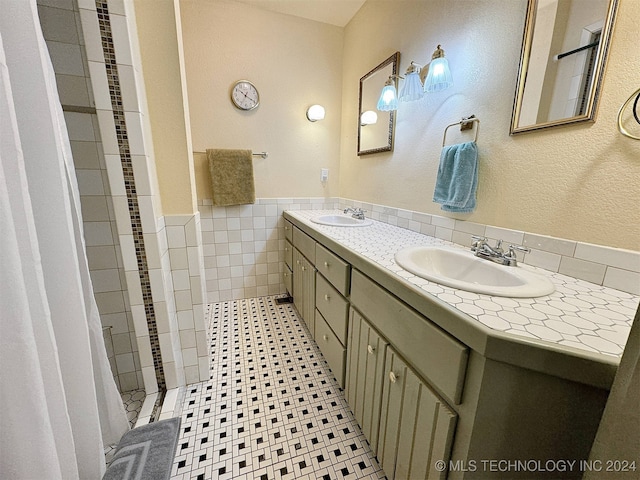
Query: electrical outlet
[324,175]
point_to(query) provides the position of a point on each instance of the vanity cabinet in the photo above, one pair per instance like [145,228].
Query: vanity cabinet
[427,383]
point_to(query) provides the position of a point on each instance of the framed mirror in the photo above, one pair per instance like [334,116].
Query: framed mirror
[564,50]
[375,128]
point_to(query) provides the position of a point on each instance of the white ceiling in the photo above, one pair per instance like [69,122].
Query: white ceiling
[334,12]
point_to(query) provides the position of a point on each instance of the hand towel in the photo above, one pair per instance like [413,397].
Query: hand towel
[231,176]
[457,178]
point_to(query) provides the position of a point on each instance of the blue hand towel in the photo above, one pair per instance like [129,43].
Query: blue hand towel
[457,178]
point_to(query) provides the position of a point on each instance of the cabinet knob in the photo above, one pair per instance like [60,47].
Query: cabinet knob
[326,264]
[370,349]
[286,274]
[286,227]
[286,249]
[392,377]
[325,338]
[327,297]
[298,262]
[303,269]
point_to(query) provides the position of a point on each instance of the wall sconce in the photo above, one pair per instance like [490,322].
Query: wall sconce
[438,77]
[389,96]
[315,113]
[368,118]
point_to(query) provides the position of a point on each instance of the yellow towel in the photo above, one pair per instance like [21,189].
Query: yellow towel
[231,176]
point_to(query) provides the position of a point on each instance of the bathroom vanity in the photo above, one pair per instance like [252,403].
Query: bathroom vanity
[437,393]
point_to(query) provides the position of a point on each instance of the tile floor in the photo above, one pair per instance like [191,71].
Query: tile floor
[132,402]
[272,409]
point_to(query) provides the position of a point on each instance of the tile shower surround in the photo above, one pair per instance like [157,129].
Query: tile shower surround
[167,306]
[272,408]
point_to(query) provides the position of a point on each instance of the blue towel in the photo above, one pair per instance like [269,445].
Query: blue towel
[457,178]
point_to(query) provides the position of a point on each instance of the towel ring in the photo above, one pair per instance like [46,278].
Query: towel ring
[621,128]
[464,125]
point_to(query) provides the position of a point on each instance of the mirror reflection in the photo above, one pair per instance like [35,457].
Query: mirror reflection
[375,128]
[563,54]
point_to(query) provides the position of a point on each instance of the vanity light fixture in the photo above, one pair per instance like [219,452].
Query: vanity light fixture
[389,96]
[439,76]
[412,88]
[315,113]
[368,118]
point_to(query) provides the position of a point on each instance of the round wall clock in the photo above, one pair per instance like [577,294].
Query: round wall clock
[244,95]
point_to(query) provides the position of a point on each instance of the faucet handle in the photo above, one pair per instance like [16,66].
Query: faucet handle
[478,241]
[511,254]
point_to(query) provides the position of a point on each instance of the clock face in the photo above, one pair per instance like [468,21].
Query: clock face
[244,95]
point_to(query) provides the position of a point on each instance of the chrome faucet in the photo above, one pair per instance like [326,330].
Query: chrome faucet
[357,213]
[496,254]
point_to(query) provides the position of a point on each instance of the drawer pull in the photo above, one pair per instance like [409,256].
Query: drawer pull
[370,349]
[326,264]
[325,338]
[392,377]
[327,297]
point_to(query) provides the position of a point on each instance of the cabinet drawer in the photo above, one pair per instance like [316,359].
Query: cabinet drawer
[434,354]
[305,244]
[288,230]
[287,278]
[288,254]
[334,269]
[333,307]
[331,348]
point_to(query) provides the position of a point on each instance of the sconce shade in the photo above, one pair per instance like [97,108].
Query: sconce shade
[388,97]
[315,113]
[439,76]
[368,118]
[412,88]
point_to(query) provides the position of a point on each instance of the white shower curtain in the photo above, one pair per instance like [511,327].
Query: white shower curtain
[58,402]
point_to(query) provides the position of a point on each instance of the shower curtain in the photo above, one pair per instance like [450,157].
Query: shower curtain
[58,402]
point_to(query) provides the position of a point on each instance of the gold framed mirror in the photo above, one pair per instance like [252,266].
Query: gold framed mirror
[564,51]
[375,128]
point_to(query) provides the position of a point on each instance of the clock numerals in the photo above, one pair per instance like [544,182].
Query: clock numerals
[244,95]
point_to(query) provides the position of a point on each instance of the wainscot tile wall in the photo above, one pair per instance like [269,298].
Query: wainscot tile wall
[244,246]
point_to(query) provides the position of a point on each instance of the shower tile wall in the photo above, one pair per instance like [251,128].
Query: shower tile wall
[61,26]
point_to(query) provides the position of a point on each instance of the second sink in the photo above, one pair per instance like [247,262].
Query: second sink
[340,221]
[461,269]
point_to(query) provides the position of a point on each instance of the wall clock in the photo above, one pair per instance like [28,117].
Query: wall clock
[244,95]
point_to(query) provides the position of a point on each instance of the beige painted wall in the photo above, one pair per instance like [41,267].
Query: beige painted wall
[579,182]
[294,63]
[160,40]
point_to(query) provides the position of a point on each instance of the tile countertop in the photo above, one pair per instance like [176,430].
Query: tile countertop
[578,332]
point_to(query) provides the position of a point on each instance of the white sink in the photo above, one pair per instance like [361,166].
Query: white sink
[461,269]
[340,221]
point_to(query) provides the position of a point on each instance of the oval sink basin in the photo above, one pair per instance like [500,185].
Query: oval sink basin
[461,269]
[340,221]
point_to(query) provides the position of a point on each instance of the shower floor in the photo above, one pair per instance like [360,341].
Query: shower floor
[132,402]
[272,409]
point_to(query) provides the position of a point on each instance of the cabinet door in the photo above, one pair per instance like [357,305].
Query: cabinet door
[304,289]
[365,367]
[309,294]
[416,427]
[298,277]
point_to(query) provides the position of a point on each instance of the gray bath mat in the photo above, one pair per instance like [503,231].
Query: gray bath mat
[146,452]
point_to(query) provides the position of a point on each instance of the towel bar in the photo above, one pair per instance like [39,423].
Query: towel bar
[464,125]
[260,154]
